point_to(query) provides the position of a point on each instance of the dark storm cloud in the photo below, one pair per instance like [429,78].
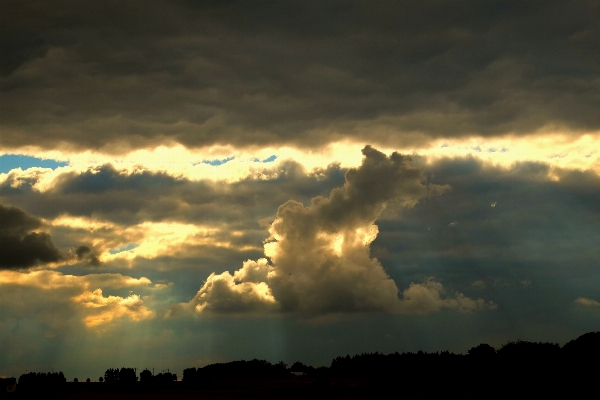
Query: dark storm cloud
[84,253]
[20,248]
[516,236]
[271,72]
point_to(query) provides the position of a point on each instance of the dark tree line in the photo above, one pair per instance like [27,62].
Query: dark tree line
[123,375]
[253,369]
[161,378]
[517,368]
[34,381]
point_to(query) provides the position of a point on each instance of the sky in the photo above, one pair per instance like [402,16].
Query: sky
[184,183]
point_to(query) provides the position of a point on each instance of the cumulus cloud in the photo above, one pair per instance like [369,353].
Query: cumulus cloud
[320,254]
[103,310]
[427,297]
[225,293]
[19,246]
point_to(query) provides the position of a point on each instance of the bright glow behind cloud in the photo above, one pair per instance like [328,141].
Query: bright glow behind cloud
[152,238]
[555,148]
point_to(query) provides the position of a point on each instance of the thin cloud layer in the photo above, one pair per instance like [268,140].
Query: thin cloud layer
[320,254]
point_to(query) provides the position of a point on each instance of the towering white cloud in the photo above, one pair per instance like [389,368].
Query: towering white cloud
[320,254]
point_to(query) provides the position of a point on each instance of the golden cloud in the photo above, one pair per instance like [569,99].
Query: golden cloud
[84,292]
[103,310]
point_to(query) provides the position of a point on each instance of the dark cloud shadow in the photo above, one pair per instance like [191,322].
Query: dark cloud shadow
[21,248]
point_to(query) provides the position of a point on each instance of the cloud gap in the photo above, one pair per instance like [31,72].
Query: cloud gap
[216,162]
[9,162]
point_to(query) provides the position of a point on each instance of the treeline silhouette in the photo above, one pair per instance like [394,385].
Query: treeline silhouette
[236,370]
[161,378]
[519,368]
[123,375]
[34,379]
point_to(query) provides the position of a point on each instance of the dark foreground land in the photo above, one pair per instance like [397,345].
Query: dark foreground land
[457,384]
[517,370]
[294,388]
[303,388]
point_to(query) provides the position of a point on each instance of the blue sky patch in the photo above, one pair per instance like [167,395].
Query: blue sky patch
[12,161]
[270,159]
[130,246]
[266,160]
[216,162]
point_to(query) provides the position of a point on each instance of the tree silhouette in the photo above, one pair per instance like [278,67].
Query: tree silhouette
[146,376]
[528,351]
[127,375]
[298,367]
[165,377]
[482,351]
[33,381]
[586,346]
[111,375]
[189,375]
[123,375]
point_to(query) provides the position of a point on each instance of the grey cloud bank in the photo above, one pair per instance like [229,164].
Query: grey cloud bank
[113,77]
